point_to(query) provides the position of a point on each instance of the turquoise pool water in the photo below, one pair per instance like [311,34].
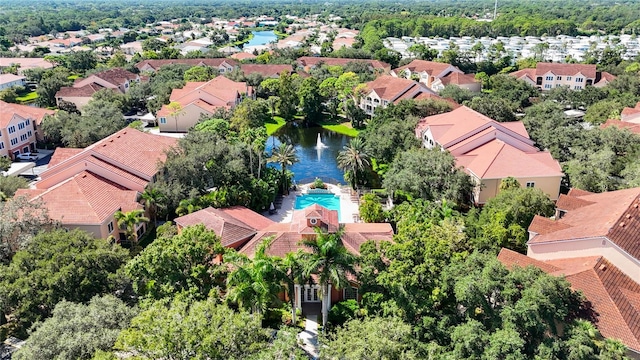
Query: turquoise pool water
[329,201]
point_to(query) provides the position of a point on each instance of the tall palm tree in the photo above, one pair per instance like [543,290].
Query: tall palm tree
[331,262]
[255,283]
[285,155]
[354,159]
[292,267]
[153,201]
[129,221]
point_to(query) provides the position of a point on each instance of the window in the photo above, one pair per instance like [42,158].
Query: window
[577,87]
[568,78]
[350,293]
[558,77]
[12,129]
[23,137]
[1,145]
[531,184]
[29,133]
[28,122]
[579,80]
[14,141]
[558,85]
[549,78]
[547,86]
[313,221]
[20,126]
[163,120]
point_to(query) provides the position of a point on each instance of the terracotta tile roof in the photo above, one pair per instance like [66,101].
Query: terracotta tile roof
[431,67]
[210,95]
[24,111]
[630,111]
[633,127]
[614,214]
[266,70]
[497,159]
[62,154]
[242,56]
[529,73]
[588,71]
[315,60]
[85,198]
[613,297]
[287,236]
[604,78]
[7,78]
[216,62]
[579,192]
[248,217]
[568,202]
[231,231]
[456,78]
[130,150]
[542,225]
[82,91]
[391,88]
[115,76]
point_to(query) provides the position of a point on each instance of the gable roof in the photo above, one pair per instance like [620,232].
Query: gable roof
[82,91]
[212,62]
[633,127]
[431,67]
[85,198]
[25,111]
[392,89]
[266,70]
[115,76]
[587,70]
[315,60]
[613,296]
[529,73]
[613,214]
[7,78]
[231,230]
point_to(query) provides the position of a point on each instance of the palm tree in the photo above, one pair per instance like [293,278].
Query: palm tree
[331,262]
[129,221]
[293,269]
[153,201]
[285,155]
[256,283]
[353,159]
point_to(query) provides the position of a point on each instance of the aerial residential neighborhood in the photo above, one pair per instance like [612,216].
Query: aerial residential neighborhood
[302,180]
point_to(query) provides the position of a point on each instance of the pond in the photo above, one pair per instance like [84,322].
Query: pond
[314,161]
[261,38]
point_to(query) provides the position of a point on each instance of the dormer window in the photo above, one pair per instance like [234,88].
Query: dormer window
[313,221]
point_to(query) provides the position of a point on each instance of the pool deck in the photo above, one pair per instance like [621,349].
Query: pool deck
[349,210]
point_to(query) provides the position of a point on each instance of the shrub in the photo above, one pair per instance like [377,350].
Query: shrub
[343,311]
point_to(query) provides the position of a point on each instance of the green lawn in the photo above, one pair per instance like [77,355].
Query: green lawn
[276,123]
[340,128]
[28,97]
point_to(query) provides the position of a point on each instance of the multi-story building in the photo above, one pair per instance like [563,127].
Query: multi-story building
[20,128]
[81,92]
[547,76]
[388,89]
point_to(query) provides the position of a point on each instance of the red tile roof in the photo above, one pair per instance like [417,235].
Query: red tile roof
[85,198]
[287,236]
[266,70]
[614,214]
[391,88]
[231,231]
[612,295]
[633,127]
[314,61]
[249,217]
[62,154]
[456,78]
[115,76]
[242,56]
[216,62]
[82,91]
[589,71]
[431,67]
[34,113]
[529,73]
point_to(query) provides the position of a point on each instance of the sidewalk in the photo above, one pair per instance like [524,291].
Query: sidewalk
[309,336]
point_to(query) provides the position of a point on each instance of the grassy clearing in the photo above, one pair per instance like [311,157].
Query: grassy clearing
[28,97]
[344,128]
[276,123]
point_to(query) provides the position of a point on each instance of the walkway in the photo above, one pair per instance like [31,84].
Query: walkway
[309,336]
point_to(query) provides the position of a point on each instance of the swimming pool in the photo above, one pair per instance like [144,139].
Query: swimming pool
[329,201]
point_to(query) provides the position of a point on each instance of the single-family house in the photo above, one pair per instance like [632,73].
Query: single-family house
[427,72]
[81,92]
[388,89]
[223,65]
[464,81]
[265,70]
[20,128]
[200,98]
[25,64]
[84,188]
[309,62]
[490,151]
[593,242]
[9,80]
[547,76]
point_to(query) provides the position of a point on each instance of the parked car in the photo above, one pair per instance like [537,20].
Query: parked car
[27,156]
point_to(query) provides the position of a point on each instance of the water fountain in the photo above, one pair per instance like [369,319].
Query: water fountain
[319,144]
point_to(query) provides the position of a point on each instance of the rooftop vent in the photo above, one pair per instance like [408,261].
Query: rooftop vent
[602,267]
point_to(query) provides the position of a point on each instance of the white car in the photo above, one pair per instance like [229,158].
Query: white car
[27,156]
